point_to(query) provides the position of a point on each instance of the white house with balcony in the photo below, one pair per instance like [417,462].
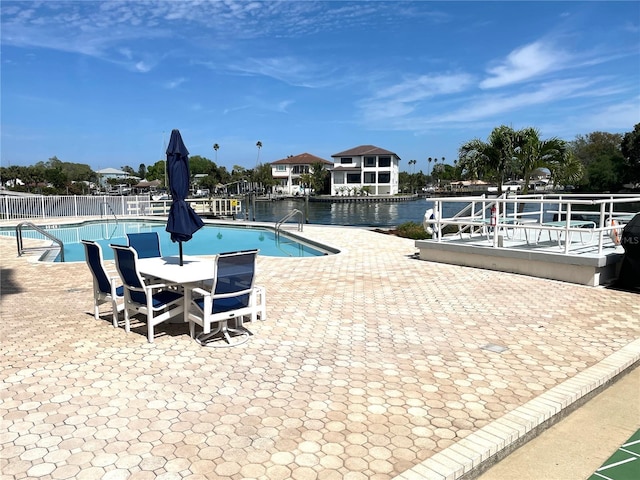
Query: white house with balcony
[106,174]
[365,168]
[287,172]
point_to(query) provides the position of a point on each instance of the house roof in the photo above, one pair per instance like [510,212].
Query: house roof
[364,150]
[111,171]
[301,159]
[146,183]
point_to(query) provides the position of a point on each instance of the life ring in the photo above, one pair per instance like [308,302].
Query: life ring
[615,232]
[429,222]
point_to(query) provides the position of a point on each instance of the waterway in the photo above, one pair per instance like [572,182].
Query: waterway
[374,214]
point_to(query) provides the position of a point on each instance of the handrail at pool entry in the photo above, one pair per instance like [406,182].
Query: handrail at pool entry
[288,216]
[563,214]
[43,232]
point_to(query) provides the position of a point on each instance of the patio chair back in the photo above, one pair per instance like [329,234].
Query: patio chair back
[233,282]
[104,287]
[157,302]
[147,244]
[126,258]
[93,256]
[231,297]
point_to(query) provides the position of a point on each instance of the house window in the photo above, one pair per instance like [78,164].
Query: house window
[346,160]
[338,177]
[299,169]
[281,168]
[369,177]
[384,162]
[384,177]
[370,162]
[353,177]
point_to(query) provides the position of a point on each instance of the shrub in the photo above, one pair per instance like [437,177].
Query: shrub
[412,230]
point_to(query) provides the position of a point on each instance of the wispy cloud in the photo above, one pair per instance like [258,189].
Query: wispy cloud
[410,95]
[525,63]
[290,70]
[174,83]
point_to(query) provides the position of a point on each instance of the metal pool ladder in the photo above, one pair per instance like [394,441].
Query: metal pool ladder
[290,215]
[43,232]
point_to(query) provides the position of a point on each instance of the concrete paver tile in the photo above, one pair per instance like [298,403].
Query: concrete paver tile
[371,364]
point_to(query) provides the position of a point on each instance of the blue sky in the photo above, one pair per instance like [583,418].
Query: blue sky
[104,83]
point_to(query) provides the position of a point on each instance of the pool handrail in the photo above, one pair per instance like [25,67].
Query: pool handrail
[289,216]
[22,249]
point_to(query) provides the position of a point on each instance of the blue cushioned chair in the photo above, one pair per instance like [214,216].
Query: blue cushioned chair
[105,288]
[232,296]
[154,301]
[147,244]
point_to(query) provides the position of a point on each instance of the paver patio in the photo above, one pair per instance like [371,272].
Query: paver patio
[371,363]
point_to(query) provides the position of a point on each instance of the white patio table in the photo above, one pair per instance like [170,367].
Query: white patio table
[193,271]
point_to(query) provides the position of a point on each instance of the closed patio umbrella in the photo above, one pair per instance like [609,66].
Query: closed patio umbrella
[183,222]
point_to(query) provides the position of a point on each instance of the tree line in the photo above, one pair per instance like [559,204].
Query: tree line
[596,162]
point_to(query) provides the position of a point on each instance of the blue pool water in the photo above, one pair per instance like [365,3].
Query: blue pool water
[209,240]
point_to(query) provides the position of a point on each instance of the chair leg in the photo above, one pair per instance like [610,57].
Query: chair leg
[114,306]
[127,322]
[209,339]
[96,311]
[150,329]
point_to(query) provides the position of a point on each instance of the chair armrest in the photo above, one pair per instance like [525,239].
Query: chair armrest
[156,286]
[200,291]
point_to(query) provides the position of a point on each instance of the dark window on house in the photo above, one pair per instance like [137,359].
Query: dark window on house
[353,178]
[369,177]
[369,161]
[384,177]
[384,162]
[301,169]
[344,160]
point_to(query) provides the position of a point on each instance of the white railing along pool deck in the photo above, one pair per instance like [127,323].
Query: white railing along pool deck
[17,207]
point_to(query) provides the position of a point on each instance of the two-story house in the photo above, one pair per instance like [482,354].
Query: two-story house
[367,168]
[106,174]
[287,172]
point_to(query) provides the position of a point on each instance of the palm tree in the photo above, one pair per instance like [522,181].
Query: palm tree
[259,145]
[568,172]
[412,163]
[429,160]
[474,158]
[216,147]
[531,152]
[497,154]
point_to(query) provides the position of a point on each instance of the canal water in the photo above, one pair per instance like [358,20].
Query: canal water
[366,214]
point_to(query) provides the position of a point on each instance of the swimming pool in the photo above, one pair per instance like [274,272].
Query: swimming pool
[209,240]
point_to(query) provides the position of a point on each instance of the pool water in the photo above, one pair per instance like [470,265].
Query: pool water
[209,240]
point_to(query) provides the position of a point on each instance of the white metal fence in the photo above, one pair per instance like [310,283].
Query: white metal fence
[54,206]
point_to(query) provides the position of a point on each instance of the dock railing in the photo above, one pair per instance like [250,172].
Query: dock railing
[603,216]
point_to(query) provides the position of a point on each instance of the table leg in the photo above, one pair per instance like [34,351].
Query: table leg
[187,302]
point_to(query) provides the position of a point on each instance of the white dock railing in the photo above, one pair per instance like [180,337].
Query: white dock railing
[603,216]
[56,206]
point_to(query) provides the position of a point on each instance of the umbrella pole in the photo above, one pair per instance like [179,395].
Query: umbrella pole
[180,247]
